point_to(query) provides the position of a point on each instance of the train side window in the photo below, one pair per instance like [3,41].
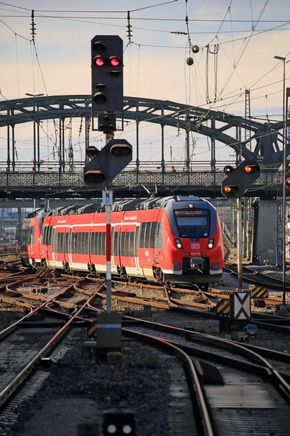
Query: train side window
[82,248]
[65,242]
[116,244]
[152,234]
[102,242]
[146,235]
[73,243]
[142,235]
[53,242]
[59,242]
[43,235]
[49,235]
[98,243]
[136,241]
[29,235]
[112,241]
[93,243]
[32,236]
[131,244]
[158,243]
[122,244]
[78,243]
[85,242]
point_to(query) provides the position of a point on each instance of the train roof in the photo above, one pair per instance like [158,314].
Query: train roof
[128,204]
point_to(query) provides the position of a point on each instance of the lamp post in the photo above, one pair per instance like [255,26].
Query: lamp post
[34,132]
[283,59]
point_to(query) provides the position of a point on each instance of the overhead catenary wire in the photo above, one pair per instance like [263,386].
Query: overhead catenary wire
[221,100]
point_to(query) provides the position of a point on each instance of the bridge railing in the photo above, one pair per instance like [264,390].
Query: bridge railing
[268,179]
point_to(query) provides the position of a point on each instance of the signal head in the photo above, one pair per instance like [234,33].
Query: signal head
[231,190]
[99,61]
[115,61]
[91,151]
[94,176]
[228,169]
[121,148]
[251,168]
[107,74]
[99,47]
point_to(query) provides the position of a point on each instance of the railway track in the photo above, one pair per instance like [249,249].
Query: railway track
[241,387]
[238,378]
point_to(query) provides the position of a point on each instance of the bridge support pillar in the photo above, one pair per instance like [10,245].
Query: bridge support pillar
[267,241]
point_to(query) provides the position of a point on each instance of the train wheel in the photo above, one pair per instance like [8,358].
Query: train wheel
[123,273]
[158,274]
[66,268]
[92,270]
[204,287]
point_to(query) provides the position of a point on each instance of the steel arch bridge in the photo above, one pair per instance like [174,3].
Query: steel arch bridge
[248,138]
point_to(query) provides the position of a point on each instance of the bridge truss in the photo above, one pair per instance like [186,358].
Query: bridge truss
[248,139]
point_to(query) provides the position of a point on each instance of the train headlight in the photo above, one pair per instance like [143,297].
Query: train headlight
[210,243]
[178,243]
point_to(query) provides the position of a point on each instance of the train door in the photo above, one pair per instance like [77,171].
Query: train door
[53,246]
[65,245]
[69,246]
[117,241]
[136,244]
[156,238]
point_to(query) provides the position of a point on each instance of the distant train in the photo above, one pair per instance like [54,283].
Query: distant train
[169,240]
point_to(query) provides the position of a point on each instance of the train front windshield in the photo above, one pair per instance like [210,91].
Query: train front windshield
[193,223]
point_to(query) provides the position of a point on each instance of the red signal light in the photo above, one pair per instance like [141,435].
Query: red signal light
[99,61]
[287,181]
[115,61]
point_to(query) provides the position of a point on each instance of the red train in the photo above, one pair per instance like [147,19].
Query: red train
[172,239]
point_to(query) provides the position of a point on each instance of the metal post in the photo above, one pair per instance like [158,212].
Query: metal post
[108,209]
[36,151]
[286,163]
[283,183]
[239,243]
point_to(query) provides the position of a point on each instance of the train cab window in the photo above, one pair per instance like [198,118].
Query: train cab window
[193,223]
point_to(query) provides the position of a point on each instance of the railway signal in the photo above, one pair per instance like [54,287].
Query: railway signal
[107,74]
[240,179]
[287,175]
[107,163]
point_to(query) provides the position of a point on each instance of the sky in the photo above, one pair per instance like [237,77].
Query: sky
[237,42]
